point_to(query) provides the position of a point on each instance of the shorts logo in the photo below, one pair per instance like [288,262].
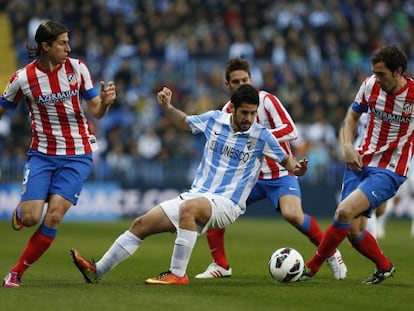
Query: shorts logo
[374,194]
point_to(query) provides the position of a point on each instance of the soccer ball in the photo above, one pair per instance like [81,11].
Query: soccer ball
[286,265]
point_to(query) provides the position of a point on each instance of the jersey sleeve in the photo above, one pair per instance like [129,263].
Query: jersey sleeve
[283,127]
[87,85]
[198,123]
[272,148]
[360,104]
[12,94]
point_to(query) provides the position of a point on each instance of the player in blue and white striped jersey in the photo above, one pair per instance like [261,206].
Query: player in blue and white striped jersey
[233,153]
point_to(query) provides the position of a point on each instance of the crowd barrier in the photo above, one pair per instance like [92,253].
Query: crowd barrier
[108,201]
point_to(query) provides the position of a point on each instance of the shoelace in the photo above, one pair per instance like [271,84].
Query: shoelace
[163,275]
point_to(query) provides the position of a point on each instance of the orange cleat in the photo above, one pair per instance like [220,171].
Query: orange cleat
[168,278]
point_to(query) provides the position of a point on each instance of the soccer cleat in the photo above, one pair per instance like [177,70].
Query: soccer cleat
[87,268]
[306,275]
[214,271]
[379,276]
[16,223]
[337,265]
[168,278]
[12,280]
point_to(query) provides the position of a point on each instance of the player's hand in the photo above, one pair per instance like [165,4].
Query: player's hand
[108,93]
[164,97]
[301,167]
[352,158]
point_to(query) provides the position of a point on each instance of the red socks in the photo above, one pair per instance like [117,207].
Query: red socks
[367,245]
[35,248]
[333,236]
[215,239]
[311,229]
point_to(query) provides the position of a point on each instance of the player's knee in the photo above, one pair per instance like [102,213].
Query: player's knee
[293,215]
[53,219]
[186,210]
[29,220]
[344,214]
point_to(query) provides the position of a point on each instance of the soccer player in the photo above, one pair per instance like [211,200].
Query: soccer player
[60,153]
[379,166]
[372,223]
[232,156]
[275,182]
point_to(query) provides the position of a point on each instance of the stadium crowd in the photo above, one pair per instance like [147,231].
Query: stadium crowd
[312,54]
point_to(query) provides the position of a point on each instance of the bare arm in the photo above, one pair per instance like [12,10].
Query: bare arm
[177,116]
[347,137]
[99,105]
[297,168]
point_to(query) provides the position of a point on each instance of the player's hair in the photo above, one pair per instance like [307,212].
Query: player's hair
[246,94]
[392,56]
[236,64]
[47,32]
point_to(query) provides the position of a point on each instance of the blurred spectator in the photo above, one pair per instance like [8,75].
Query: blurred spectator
[312,53]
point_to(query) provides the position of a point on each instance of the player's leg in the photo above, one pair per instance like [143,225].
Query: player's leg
[153,222]
[291,210]
[35,187]
[219,267]
[366,244]
[30,213]
[347,210]
[375,186]
[196,215]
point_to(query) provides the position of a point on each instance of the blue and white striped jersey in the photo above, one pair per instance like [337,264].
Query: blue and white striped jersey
[231,160]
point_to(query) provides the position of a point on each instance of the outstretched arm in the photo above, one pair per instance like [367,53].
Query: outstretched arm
[177,116]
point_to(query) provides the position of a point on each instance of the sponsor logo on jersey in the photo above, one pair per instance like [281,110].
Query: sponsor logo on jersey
[392,118]
[229,151]
[51,99]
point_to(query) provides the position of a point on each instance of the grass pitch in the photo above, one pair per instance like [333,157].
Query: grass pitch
[53,283]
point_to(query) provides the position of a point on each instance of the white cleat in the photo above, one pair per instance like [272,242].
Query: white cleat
[337,265]
[214,271]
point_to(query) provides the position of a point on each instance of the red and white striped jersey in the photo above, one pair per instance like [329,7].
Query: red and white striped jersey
[58,123]
[388,138]
[272,115]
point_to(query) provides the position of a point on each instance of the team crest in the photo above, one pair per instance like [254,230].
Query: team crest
[72,78]
[407,109]
[250,144]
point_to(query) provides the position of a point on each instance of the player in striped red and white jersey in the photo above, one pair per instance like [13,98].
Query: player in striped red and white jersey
[231,161]
[377,168]
[53,87]
[275,182]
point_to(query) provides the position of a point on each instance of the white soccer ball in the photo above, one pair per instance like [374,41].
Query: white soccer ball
[286,265]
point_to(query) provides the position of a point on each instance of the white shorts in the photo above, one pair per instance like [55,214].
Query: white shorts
[223,210]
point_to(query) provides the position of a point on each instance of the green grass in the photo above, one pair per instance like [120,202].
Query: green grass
[54,283]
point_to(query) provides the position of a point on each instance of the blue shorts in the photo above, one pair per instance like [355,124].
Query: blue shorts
[64,175]
[377,184]
[273,189]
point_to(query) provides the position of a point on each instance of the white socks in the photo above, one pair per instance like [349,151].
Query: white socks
[123,247]
[183,247]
